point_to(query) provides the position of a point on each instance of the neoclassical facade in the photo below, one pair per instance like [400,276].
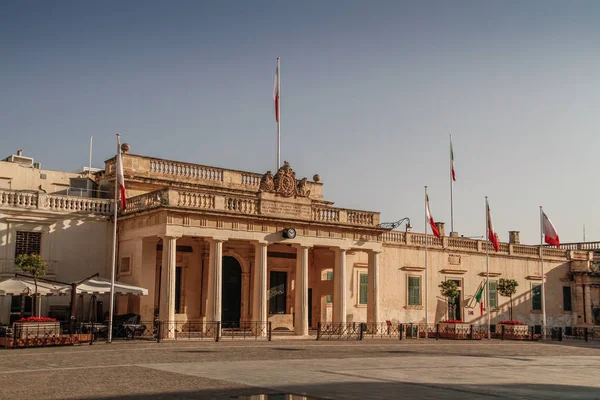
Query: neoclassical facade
[214,244]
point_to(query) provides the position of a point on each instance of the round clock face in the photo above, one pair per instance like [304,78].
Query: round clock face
[291,233]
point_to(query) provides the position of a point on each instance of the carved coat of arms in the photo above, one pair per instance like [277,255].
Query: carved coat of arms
[284,183]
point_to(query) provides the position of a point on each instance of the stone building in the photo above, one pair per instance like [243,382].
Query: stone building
[213,244]
[55,214]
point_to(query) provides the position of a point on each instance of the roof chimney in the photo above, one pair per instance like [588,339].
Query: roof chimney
[19,153]
[513,237]
[440,227]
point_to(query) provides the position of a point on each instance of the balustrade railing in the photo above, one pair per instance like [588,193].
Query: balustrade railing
[419,239]
[361,218]
[18,199]
[242,205]
[55,203]
[249,179]
[193,200]
[526,250]
[462,243]
[172,168]
[326,214]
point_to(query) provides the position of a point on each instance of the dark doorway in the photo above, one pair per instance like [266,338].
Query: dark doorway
[454,305]
[231,293]
[277,292]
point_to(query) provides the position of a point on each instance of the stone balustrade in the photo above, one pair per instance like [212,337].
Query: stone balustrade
[241,205]
[581,246]
[55,203]
[244,205]
[135,166]
[477,246]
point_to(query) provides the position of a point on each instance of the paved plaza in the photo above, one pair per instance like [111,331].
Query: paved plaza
[337,370]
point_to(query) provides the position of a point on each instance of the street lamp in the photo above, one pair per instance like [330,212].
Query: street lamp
[394,225]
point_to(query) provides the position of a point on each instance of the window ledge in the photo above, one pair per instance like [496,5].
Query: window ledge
[360,306]
[536,311]
[414,307]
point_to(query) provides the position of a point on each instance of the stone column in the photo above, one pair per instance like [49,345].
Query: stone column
[588,305]
[166,308]
[339,286]
[373,288]
[215,275]
[259,312]
[301,289]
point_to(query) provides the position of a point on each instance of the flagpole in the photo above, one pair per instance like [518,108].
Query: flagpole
[543,274]
[278,114]
[451,191]
[114,252]
[487,267]
[426,269]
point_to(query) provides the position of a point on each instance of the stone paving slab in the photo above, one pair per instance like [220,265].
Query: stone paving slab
[417,376]
[341,370]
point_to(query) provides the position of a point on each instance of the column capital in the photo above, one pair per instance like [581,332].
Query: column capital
[374,251]
[216,239]
[167,237]
[340,248]
[258,243]
[298,246]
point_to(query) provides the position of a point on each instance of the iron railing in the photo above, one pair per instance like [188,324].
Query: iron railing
[214,330]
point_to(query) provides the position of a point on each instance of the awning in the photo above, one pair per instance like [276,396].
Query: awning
[102,286]
[25,286]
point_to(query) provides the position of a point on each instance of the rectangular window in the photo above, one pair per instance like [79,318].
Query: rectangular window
[536,297]
[178,308]
[329,299]
[493,294]
[28,243]
[277,292]
[329,276]
[414,290]
[125,265]
[567,299]
[362,290]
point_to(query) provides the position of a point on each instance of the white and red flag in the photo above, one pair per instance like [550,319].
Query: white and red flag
[434,228]
[121,176]
[491,233]
[549,231]
[276,93]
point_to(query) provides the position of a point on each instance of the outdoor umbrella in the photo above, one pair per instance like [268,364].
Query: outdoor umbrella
[25,286]
[102,286]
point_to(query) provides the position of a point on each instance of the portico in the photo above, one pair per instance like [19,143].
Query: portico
[222,255]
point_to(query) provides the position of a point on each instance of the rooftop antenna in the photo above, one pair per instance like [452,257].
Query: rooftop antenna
[583,233]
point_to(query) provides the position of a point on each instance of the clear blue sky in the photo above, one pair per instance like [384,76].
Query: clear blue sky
[370,92]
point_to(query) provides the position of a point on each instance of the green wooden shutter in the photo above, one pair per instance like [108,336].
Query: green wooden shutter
[493,294]
[364,284]
[414,291]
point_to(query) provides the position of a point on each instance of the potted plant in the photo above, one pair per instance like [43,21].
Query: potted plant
[512,329]
[36,266]
[36,327]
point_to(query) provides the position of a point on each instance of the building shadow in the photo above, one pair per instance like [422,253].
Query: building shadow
[380,390]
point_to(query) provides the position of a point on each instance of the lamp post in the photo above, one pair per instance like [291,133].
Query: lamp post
[394,225]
